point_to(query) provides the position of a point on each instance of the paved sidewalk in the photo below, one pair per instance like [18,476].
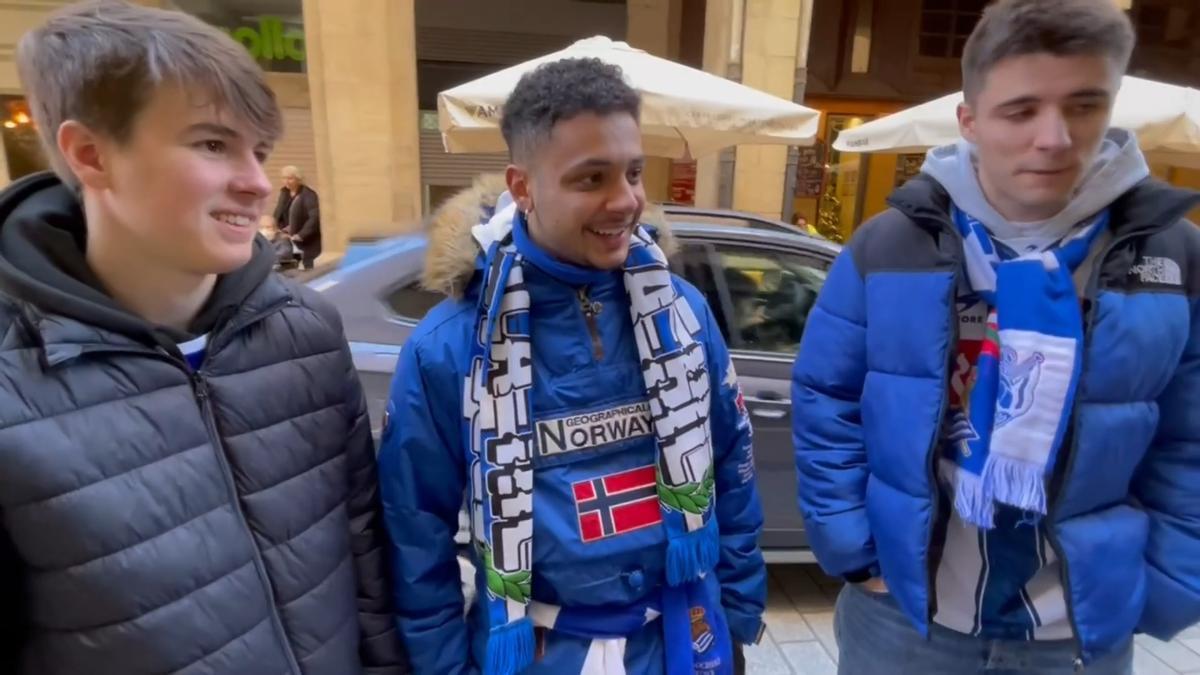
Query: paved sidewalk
[799,638]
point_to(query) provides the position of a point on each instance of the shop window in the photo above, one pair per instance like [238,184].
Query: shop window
[21,145]
[839,208]
[946,25]
[907,167]
[271,30]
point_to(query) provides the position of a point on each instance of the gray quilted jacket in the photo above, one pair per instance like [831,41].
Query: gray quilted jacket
[158,520]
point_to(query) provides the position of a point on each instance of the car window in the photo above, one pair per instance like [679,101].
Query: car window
[771,293]
[411,302]
[728,221]
[694,263]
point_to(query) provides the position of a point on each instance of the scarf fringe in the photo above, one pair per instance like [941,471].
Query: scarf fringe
[691,555]
[510,648]
[1015,483]
[970,501]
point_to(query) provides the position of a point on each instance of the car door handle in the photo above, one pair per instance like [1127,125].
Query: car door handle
[768,408]
[759,400]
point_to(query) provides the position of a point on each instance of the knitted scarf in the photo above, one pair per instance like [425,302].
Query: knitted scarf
[498,427]
[1018,403]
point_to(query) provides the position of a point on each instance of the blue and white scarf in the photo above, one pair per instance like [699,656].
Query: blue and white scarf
[1018,404]
[498,428]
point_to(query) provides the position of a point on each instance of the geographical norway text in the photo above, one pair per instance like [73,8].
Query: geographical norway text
[594,429]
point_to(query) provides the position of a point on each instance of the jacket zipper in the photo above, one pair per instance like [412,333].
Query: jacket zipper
[932,453]
[1092,290]
[200,387]
[591,310]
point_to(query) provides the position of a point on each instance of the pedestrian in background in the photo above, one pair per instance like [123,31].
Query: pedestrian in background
[298,213]
[996,397]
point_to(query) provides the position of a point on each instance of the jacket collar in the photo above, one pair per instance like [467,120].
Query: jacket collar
[1149,206]
[62,338]
[453,257]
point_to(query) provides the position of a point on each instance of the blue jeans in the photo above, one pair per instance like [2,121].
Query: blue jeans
[874,637]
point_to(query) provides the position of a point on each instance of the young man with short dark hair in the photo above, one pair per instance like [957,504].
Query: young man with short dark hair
[162,507]
[995,400]
[583,397]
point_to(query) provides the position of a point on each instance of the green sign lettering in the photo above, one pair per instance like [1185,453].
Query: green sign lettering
[269,41]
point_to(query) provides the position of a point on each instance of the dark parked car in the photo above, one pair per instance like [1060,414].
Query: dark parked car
[760,277]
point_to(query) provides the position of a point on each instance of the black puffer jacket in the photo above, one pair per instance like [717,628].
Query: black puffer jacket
[156,520]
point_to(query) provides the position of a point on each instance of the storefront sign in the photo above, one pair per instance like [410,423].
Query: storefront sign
[683,182]
[269,41]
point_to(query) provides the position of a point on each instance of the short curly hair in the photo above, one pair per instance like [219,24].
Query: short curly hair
[558,91]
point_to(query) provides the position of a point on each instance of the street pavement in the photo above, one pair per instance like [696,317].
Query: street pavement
[800,641]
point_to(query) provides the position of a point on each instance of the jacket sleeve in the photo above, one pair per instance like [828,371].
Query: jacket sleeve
[741,570]
[423,472]
[831,460]
[312,215]
[280,214]
[380,649]
[1166,488]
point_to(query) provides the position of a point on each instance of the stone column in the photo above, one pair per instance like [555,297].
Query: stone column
[362,74]
[653,26]
[769,44]
[722,56]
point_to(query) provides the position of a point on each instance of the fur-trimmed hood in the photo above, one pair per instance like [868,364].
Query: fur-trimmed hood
[450,261]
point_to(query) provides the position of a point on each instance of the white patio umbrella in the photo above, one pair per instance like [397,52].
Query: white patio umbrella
[685,112]
[1165,117]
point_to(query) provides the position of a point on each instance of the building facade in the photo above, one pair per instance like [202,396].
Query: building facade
[872,57]
[358,83]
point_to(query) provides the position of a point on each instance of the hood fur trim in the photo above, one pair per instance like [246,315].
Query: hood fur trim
[450,258]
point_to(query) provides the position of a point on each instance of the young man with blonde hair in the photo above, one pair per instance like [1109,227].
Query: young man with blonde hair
[188,478]
[996,400]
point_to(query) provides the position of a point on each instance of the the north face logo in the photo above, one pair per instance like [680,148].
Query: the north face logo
[1157,270]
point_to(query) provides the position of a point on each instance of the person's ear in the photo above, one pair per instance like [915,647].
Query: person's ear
[966,121]
[86,153]
[519,186]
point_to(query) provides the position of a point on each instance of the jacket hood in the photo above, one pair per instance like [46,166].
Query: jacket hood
[453,256]
[43,239]
[1118,166]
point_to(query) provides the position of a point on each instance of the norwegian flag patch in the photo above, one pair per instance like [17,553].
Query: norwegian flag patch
[617,503]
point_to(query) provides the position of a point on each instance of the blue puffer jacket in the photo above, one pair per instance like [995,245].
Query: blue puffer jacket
[587,390]
[870,391]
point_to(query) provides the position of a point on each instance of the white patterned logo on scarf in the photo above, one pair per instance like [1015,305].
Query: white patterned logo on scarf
[1018,385]
[509,441]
